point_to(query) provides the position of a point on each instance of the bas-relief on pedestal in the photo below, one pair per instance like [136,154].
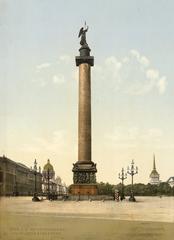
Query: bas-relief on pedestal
[84,174]
[84,170]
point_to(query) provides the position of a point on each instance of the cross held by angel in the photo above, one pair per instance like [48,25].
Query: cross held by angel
[82,34]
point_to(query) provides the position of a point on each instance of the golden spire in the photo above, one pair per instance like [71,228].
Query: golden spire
[154,165]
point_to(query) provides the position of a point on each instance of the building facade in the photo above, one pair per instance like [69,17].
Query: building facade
[49,186]
[170,181]
[154,176]
[61,187]
[18,179]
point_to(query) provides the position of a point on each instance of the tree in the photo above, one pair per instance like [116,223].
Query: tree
[106,188]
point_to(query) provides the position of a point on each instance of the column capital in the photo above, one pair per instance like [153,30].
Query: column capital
[85,56]
[85,59]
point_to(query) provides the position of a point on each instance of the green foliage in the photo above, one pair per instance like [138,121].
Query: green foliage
[148,190]
[106,189]
[139,189]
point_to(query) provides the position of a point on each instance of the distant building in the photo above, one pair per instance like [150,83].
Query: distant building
[50,183]
[60,186]
[48,173]
[170,181]
[154,176]
[17,179]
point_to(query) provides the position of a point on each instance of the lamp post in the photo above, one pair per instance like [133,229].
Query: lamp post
[35,197]
[35,173]
[48,179]
[132,171]
[122,176]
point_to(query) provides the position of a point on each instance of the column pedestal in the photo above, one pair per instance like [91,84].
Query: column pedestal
[83,189]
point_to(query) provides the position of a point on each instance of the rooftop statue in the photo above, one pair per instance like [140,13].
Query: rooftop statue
[82,34]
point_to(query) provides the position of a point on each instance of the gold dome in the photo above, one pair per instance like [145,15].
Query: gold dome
[48,166]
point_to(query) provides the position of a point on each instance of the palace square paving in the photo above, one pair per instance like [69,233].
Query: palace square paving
[148,218]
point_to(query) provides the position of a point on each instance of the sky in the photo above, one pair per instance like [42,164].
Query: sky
[132,84]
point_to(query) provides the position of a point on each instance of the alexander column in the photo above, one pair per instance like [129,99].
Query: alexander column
[84,170]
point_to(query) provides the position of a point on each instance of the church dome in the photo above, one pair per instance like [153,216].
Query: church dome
[48,166]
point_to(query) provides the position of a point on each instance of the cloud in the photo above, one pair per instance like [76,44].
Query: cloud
[113,62]
[154,134]
[56,143]
[162,83]
[52,73]
[133,136]
[152,74]
[140,58]
[58,79]
[65,58]
[43,65]
[41,81]
[133,74]
[144,61]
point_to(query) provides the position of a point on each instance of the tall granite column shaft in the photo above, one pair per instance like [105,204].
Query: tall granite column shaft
[84,123]
[84,170]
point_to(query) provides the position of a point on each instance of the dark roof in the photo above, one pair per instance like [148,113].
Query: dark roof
[13,162]
[22,165]
[170,178]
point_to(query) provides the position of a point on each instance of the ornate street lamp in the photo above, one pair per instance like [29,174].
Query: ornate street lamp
[122,176]
[35,197]
[132,171]
[35,173]
[48,179]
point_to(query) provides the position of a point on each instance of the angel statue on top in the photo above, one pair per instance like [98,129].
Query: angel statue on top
[82,34]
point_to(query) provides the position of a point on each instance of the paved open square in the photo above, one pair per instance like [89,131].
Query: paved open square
[148,218]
